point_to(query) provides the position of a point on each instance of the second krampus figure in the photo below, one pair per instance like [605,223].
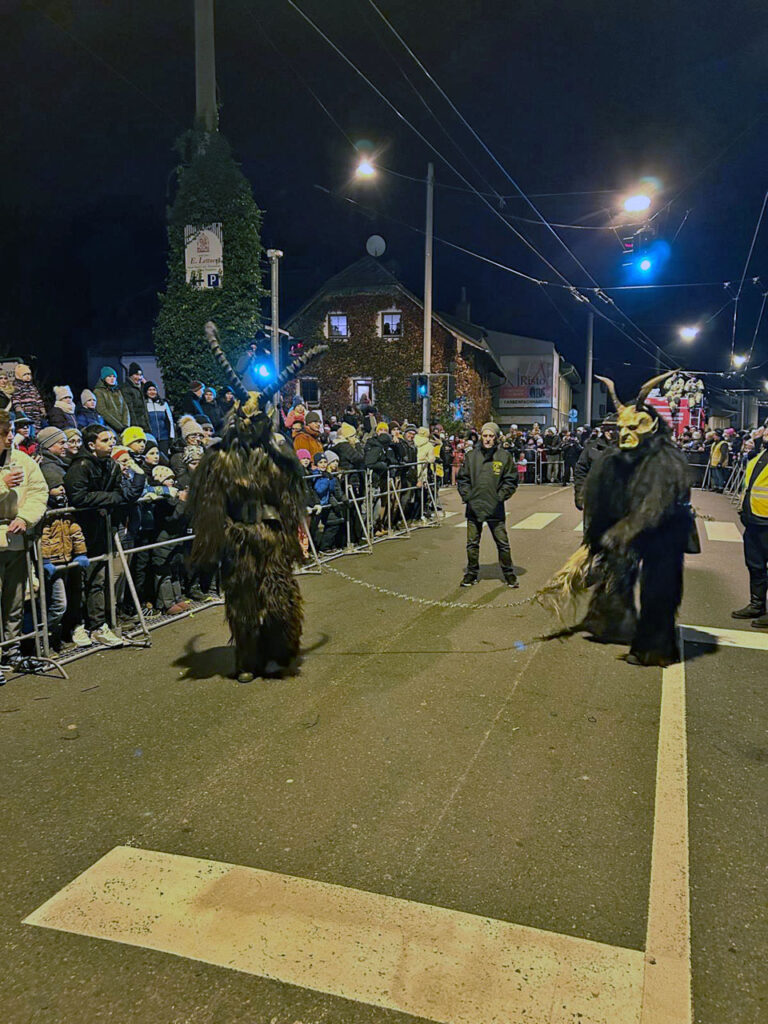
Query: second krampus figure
[247,503]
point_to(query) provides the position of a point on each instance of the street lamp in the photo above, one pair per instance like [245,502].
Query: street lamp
[638,203]
[740,361]
[689,333]
[365,169]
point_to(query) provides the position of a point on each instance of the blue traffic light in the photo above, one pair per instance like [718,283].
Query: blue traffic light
[423,390]
[645,264]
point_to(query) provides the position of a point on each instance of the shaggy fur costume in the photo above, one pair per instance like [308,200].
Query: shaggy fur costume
[247,504]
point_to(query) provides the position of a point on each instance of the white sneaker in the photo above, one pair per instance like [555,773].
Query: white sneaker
[105,636]
[80,637]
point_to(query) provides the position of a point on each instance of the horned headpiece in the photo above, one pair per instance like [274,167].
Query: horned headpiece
[636,421]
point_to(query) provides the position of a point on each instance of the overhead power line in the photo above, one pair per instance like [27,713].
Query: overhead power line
[744,272]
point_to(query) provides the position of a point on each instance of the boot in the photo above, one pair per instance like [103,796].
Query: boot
[761,623]
[751,611]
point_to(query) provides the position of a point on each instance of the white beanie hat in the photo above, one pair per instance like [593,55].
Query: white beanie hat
[62,391]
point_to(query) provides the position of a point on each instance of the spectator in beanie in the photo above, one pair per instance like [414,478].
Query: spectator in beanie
[192,403]
[309,435]
[193,437]
[160,416]
[111,402]
[21,439]
[87,414]
[226,400]
[62,415]
[152,455]
[23,500]
[135,440]
[26,397]
[53,452]
[134,397]
[212,409]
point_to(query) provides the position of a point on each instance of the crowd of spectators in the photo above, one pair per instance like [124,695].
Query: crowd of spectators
[122,457]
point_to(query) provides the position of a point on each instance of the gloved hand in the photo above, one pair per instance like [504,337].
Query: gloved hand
[50,569]
[82,560]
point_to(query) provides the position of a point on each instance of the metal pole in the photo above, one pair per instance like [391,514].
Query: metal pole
[588,381]
[205,66]
[274,256]
[428,233]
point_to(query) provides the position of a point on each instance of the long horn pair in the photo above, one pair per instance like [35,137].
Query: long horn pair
[212,334]
[649,385]
[611,391]
[291,370]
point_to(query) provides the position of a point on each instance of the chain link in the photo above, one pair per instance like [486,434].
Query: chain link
[425,601]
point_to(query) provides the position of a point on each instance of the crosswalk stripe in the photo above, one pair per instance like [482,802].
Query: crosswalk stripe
[722,531]
[442,965]
[537,521]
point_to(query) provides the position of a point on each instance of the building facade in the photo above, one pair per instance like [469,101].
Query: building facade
[539,384]
[374,327]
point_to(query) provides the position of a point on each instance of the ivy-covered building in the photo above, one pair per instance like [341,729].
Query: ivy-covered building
[374,326]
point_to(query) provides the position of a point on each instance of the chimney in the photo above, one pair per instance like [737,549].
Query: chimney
[462,307]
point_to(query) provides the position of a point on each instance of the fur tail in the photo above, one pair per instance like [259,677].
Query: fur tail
[568,583]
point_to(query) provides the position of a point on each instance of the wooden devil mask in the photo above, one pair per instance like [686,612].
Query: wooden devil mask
[637,423]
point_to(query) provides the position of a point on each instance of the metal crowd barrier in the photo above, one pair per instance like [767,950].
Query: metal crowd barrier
[375,507]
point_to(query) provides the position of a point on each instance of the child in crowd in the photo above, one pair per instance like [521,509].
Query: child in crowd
[63,548]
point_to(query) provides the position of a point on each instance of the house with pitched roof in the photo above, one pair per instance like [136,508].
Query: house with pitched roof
[374,327]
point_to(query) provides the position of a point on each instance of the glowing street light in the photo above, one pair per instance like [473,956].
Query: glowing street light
[637,204]
[689,333]
[739,361]
[365,169]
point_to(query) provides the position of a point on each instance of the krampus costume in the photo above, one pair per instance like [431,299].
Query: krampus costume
[246,503]
[638,522]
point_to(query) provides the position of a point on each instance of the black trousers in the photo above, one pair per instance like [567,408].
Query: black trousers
[756,558]
[498,530]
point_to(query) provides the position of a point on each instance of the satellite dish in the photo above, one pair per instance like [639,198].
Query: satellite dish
[375,245]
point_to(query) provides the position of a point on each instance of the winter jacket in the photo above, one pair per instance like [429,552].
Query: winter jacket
[29,499]
[425,453]
[592,449]
[378,454]
[326,488]
[62,540]
[304,440]
[351,459]
[61,419]
[213,411]
[134,400]
[161,423]
[191,405]
[53,468]
[98,485]
[111,404]
[26,399]
[85,417]
[485,481]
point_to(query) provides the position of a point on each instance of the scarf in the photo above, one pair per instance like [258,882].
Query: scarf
[66,405]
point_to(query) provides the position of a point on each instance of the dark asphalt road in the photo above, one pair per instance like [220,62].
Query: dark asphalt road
[437,755]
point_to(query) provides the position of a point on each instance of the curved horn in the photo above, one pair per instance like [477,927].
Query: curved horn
[649,385]
[611,391]
[212,334]
[292,369]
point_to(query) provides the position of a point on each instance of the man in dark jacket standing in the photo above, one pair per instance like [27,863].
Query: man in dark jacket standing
[488,476]
[133,394]
[594,447]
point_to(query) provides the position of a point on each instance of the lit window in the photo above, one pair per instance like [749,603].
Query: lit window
[391,325]
[337,323]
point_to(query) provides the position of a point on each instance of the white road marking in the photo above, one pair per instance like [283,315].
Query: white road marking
[751,640]
[443,965]
[449,515]
[667,975]
[722,531]
[537,521]
[553,493]
[580,527]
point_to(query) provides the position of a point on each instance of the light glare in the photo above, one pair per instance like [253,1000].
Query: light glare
[739,361]
[365,169]
[689,333]
[645,264]
[637,204]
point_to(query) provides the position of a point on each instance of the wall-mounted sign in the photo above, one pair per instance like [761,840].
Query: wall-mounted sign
[530,383]
[204,255]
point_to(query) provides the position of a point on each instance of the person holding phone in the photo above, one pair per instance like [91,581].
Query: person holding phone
[23,501]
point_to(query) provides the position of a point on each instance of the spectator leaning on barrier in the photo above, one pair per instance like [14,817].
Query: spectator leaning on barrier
[23,500]
[485,481]
[26,397]
[160,416]
[62,547]
[62,415]
[110,401]
[88,413]
[754,516]
[94,482]
[134,397]
[53,451]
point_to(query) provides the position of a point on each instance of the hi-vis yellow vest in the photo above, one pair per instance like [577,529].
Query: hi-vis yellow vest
[756,486]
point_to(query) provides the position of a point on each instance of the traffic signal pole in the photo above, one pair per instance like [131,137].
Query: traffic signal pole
[274,257]
[428,233]
[588,374]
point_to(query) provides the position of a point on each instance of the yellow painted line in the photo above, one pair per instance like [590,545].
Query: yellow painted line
[723,531]
[442,965]
[537,521]
[750,640]
[667,981]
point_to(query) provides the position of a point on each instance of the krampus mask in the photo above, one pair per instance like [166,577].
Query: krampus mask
[637,423]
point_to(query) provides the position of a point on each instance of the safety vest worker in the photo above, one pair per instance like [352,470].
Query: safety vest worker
[754,516]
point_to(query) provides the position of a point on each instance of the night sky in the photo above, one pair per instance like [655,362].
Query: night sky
[570,97]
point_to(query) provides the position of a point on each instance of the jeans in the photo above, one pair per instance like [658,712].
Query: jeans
[499,533]
[13,575]
[57,604]
[95,606]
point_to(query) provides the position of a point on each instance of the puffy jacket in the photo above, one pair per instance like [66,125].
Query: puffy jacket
[62,540]
[308,441]
[111,404]
[57,417]
[134,400]
[98,485]
[425,453]
[326,488]
[26,398]
[160,420]
[53,468]
[29,499]
[378,454]
[487,478]
[85,417]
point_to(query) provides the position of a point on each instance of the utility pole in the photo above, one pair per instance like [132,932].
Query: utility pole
[274,256]
[588,381]
[205,66]
[428,233]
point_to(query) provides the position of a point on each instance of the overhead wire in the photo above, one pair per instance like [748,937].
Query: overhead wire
[744,272]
